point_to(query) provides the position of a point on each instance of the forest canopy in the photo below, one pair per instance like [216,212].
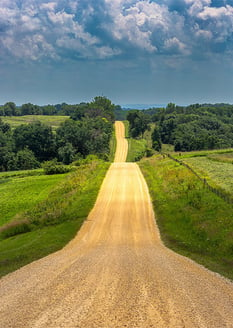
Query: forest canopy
[87,131]
[193,127]
[90,126]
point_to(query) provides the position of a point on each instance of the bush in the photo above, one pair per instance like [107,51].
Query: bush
[15,228]
[90,158]
[53,167]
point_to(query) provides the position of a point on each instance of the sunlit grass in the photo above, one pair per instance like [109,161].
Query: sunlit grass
[51,120]
[192,220]
[22,190]
[216,172]
[54,220]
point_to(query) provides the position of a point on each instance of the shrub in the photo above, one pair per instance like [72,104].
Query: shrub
[15,228]
[53,167]
[87,160]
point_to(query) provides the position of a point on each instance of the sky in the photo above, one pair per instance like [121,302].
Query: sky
[131,51]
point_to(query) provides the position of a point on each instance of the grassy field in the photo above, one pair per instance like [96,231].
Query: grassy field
[53,221]
[225,157]
[192,220]
[217,173]
[53,121]
[22,190]
[214,165]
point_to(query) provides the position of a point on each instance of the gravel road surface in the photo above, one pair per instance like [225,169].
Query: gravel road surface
[116,272]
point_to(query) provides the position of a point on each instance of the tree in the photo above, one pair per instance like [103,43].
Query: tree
[10,109]
[66,154]
[106,105]
[138,122]
[156,139]
[38,137]
[27,109]
[25,160]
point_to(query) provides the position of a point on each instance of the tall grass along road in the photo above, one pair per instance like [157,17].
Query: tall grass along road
[116,272]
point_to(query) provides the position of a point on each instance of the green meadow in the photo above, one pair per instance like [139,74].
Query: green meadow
[219,173]
[20,191]
[215,166]
[45,212]
[51,120]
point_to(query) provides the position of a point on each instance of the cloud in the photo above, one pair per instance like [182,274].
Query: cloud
[175,46]
[104,29]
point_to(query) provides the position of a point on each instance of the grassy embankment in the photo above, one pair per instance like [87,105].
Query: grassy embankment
[56,210]
[192,220]
[137,148]
[51,120]
[113,145]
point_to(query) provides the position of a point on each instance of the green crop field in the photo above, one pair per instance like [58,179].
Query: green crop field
[53,121]
[216,172]
[225,157]
[21,190]
[216,166]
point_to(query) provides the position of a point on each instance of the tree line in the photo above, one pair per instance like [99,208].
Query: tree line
[87,131]
[187,128]
[99,106]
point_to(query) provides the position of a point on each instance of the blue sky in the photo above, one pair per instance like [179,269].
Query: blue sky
[128,50]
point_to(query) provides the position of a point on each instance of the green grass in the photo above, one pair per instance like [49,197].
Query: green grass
[20,250]
[136,147]
[53,121]
[213,165]
[219,174]
[225,157]
[201,153]
[192,220]
[54,220]
[113,145]
[22,190]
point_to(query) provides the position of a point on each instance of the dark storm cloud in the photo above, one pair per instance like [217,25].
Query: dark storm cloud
[124,45]
[110,28]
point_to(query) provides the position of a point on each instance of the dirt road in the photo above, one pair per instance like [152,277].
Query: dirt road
[116,273]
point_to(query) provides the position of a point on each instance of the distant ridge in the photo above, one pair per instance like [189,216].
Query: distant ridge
[141,106]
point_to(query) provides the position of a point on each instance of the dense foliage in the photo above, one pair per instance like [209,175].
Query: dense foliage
[88,131]
[193,127]
[100,106]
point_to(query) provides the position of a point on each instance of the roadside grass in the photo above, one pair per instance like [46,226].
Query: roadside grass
[51,120]
[22,190]
[147,135]
[192,220]
[20,250]
[137,148]
[51,223]
[113,145]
